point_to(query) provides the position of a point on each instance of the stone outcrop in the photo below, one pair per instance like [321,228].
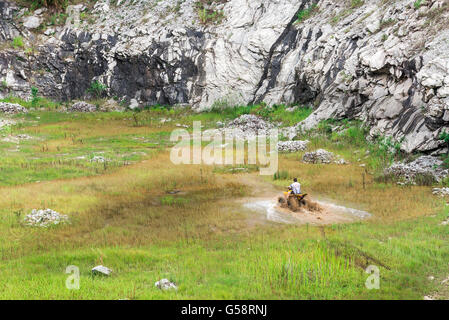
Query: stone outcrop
[385,63]
[322,156]
[82,106]
[101,271]
[318,156]
[425,167]
[165,284]
[442,192]
[11,108]
[292,146]
[44,218]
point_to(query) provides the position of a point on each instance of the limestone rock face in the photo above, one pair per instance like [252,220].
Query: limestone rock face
[32,22]
[8,29]
[384,63]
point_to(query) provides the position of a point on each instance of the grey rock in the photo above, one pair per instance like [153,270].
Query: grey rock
[424,166]
[32,22]
[101,270]
[250,122]
[133,104]
[49,31]
[40,11]
[82,106]
[99,159]
[292,146]
[443,192]
[322,156]
[318,156]
[11,108]
[165,284]
[44,218]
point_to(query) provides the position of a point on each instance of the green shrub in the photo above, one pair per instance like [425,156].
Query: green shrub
[306,13]
[97,89]
[417,4]
[17,43]
[4,85]
[445,137]
[208,15]
[34,97]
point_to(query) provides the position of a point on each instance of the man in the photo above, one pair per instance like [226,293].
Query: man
[294,188]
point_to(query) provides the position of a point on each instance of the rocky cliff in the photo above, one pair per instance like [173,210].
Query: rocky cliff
[385,62]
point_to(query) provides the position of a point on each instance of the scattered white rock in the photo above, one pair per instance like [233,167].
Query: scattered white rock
[247,127]
[101,270]
[445,222]
[165,120]
[165,284]
[341,161]
[16,138]
[443,192]
[322,156]
[40,11]
[98,159]
[423,166]
[133,104]
[250,122]
[11,108]
[292,146]
[49,31]
[82,106]
[44,218]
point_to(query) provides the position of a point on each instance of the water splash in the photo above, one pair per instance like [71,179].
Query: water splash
[354,212]
[269,207]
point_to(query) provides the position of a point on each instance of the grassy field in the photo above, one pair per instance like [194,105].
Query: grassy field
[122,216]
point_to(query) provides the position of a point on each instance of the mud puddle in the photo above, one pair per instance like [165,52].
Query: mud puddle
[330,213]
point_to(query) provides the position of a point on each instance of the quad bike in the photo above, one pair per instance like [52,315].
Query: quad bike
[294,202]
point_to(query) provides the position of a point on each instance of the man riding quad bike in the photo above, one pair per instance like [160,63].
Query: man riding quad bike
[293,198]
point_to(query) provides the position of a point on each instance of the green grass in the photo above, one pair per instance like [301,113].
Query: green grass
[271,264]
[35,102]
[306,13]
[17,43]
[275,113]
[122,216]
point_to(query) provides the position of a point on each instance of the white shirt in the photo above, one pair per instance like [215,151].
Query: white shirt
[296,187]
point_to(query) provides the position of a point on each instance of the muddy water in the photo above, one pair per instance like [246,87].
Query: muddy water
[330,214]
[269,207]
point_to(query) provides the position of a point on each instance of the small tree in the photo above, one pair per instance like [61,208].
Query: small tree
[34,97]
